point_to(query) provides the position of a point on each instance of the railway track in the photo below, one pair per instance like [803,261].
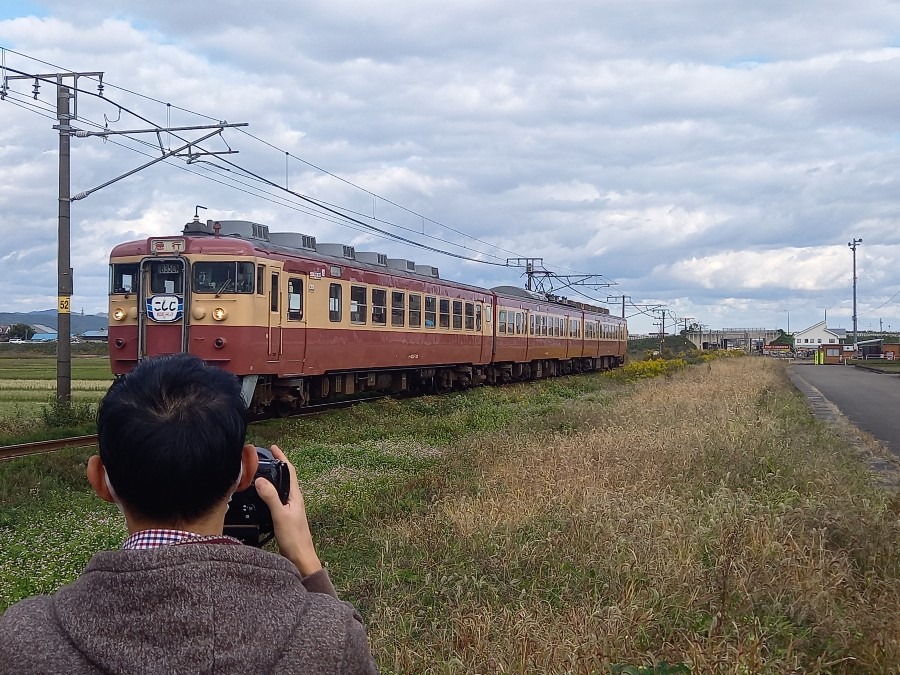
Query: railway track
[43,447]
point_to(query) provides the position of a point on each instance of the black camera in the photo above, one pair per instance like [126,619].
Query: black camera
[248,518]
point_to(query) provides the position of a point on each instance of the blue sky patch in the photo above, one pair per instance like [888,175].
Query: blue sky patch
[11,9]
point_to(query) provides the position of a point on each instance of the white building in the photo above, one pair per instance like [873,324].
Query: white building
[818,334]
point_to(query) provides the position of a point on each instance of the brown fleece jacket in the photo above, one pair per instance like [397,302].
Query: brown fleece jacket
[203,608]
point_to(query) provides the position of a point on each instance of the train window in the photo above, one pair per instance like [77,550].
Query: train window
[543,325]
[221,278]
[430,311]
[501,322]
[166,276]
[379,306]
[478,318]
[511,323]
[335,291]
[358,305]
[273,293]
[295,299]
[415,311]
[260,278]
[398,308]
[445,313]
[123,278]
[457,314]
[571,327]
[520,323]
[470,316]
[531,324]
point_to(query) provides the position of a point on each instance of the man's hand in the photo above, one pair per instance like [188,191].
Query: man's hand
[291,525]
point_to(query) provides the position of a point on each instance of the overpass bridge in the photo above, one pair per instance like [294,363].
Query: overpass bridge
[748,339]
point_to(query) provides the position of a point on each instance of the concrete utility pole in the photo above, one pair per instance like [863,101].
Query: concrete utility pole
[64,117]
[853,244]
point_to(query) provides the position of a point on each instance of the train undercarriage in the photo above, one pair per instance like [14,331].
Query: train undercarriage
[267,394]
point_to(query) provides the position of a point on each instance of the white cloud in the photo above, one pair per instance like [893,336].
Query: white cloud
[713,157]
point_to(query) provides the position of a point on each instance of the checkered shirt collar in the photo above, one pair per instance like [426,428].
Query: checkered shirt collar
[154,538]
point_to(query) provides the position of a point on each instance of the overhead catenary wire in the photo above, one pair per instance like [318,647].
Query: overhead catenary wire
[326,211]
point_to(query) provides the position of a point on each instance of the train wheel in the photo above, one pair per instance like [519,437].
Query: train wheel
[283,407]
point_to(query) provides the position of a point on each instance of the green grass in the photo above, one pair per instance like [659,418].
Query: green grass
[702,520]
[28,395]
[44,368]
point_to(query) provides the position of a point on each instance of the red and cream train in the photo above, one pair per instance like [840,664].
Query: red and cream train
[301,322]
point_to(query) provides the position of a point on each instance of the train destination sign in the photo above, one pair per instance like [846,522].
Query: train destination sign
[158,246]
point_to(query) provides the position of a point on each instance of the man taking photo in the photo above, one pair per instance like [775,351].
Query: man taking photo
[179,597]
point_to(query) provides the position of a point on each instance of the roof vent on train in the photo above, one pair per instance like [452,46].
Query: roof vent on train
[293,240]
[428,271]
[337,250]
[401,264]
[243,229]
[372,258]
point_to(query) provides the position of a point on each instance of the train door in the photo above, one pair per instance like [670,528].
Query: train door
[293,333]
[162,306]
[483,326]
[275,315]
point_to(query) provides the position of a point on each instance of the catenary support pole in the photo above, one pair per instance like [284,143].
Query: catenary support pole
[63,262]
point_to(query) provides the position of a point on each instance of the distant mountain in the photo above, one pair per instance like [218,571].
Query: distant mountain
[47,317]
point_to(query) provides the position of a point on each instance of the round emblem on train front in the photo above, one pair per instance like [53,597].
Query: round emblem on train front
[165,308]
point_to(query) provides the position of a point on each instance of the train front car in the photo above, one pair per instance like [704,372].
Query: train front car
[298,322]
[199,293]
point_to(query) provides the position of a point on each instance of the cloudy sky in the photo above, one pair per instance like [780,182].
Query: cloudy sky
[711,157]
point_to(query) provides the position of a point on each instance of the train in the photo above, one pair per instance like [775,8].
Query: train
[301,322]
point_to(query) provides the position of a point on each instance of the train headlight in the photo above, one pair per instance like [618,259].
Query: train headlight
[219,314]
[119,314]
[198,313]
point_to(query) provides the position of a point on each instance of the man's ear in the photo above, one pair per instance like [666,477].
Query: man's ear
[249,462]
[96,473]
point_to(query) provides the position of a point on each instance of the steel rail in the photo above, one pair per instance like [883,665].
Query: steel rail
[41,447]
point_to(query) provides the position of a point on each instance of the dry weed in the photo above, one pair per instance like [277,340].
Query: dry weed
[705,519]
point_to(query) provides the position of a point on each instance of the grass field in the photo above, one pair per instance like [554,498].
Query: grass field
[28,386]
[572,525]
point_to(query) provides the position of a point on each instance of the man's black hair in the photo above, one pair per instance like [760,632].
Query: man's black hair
[171,434]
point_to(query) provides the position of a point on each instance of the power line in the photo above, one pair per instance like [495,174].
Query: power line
[330,212]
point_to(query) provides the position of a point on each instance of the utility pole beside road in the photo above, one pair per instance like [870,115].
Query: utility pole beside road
[853,244]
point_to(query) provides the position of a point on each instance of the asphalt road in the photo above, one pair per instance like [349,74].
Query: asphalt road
[870,400]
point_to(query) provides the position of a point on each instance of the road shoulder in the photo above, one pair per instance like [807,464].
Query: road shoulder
[884,466]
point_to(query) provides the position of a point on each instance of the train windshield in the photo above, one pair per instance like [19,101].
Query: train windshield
[166,276]
[223,277]
[123,278]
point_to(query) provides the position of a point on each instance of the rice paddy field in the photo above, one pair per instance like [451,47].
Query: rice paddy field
[700,521]
[28,385]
